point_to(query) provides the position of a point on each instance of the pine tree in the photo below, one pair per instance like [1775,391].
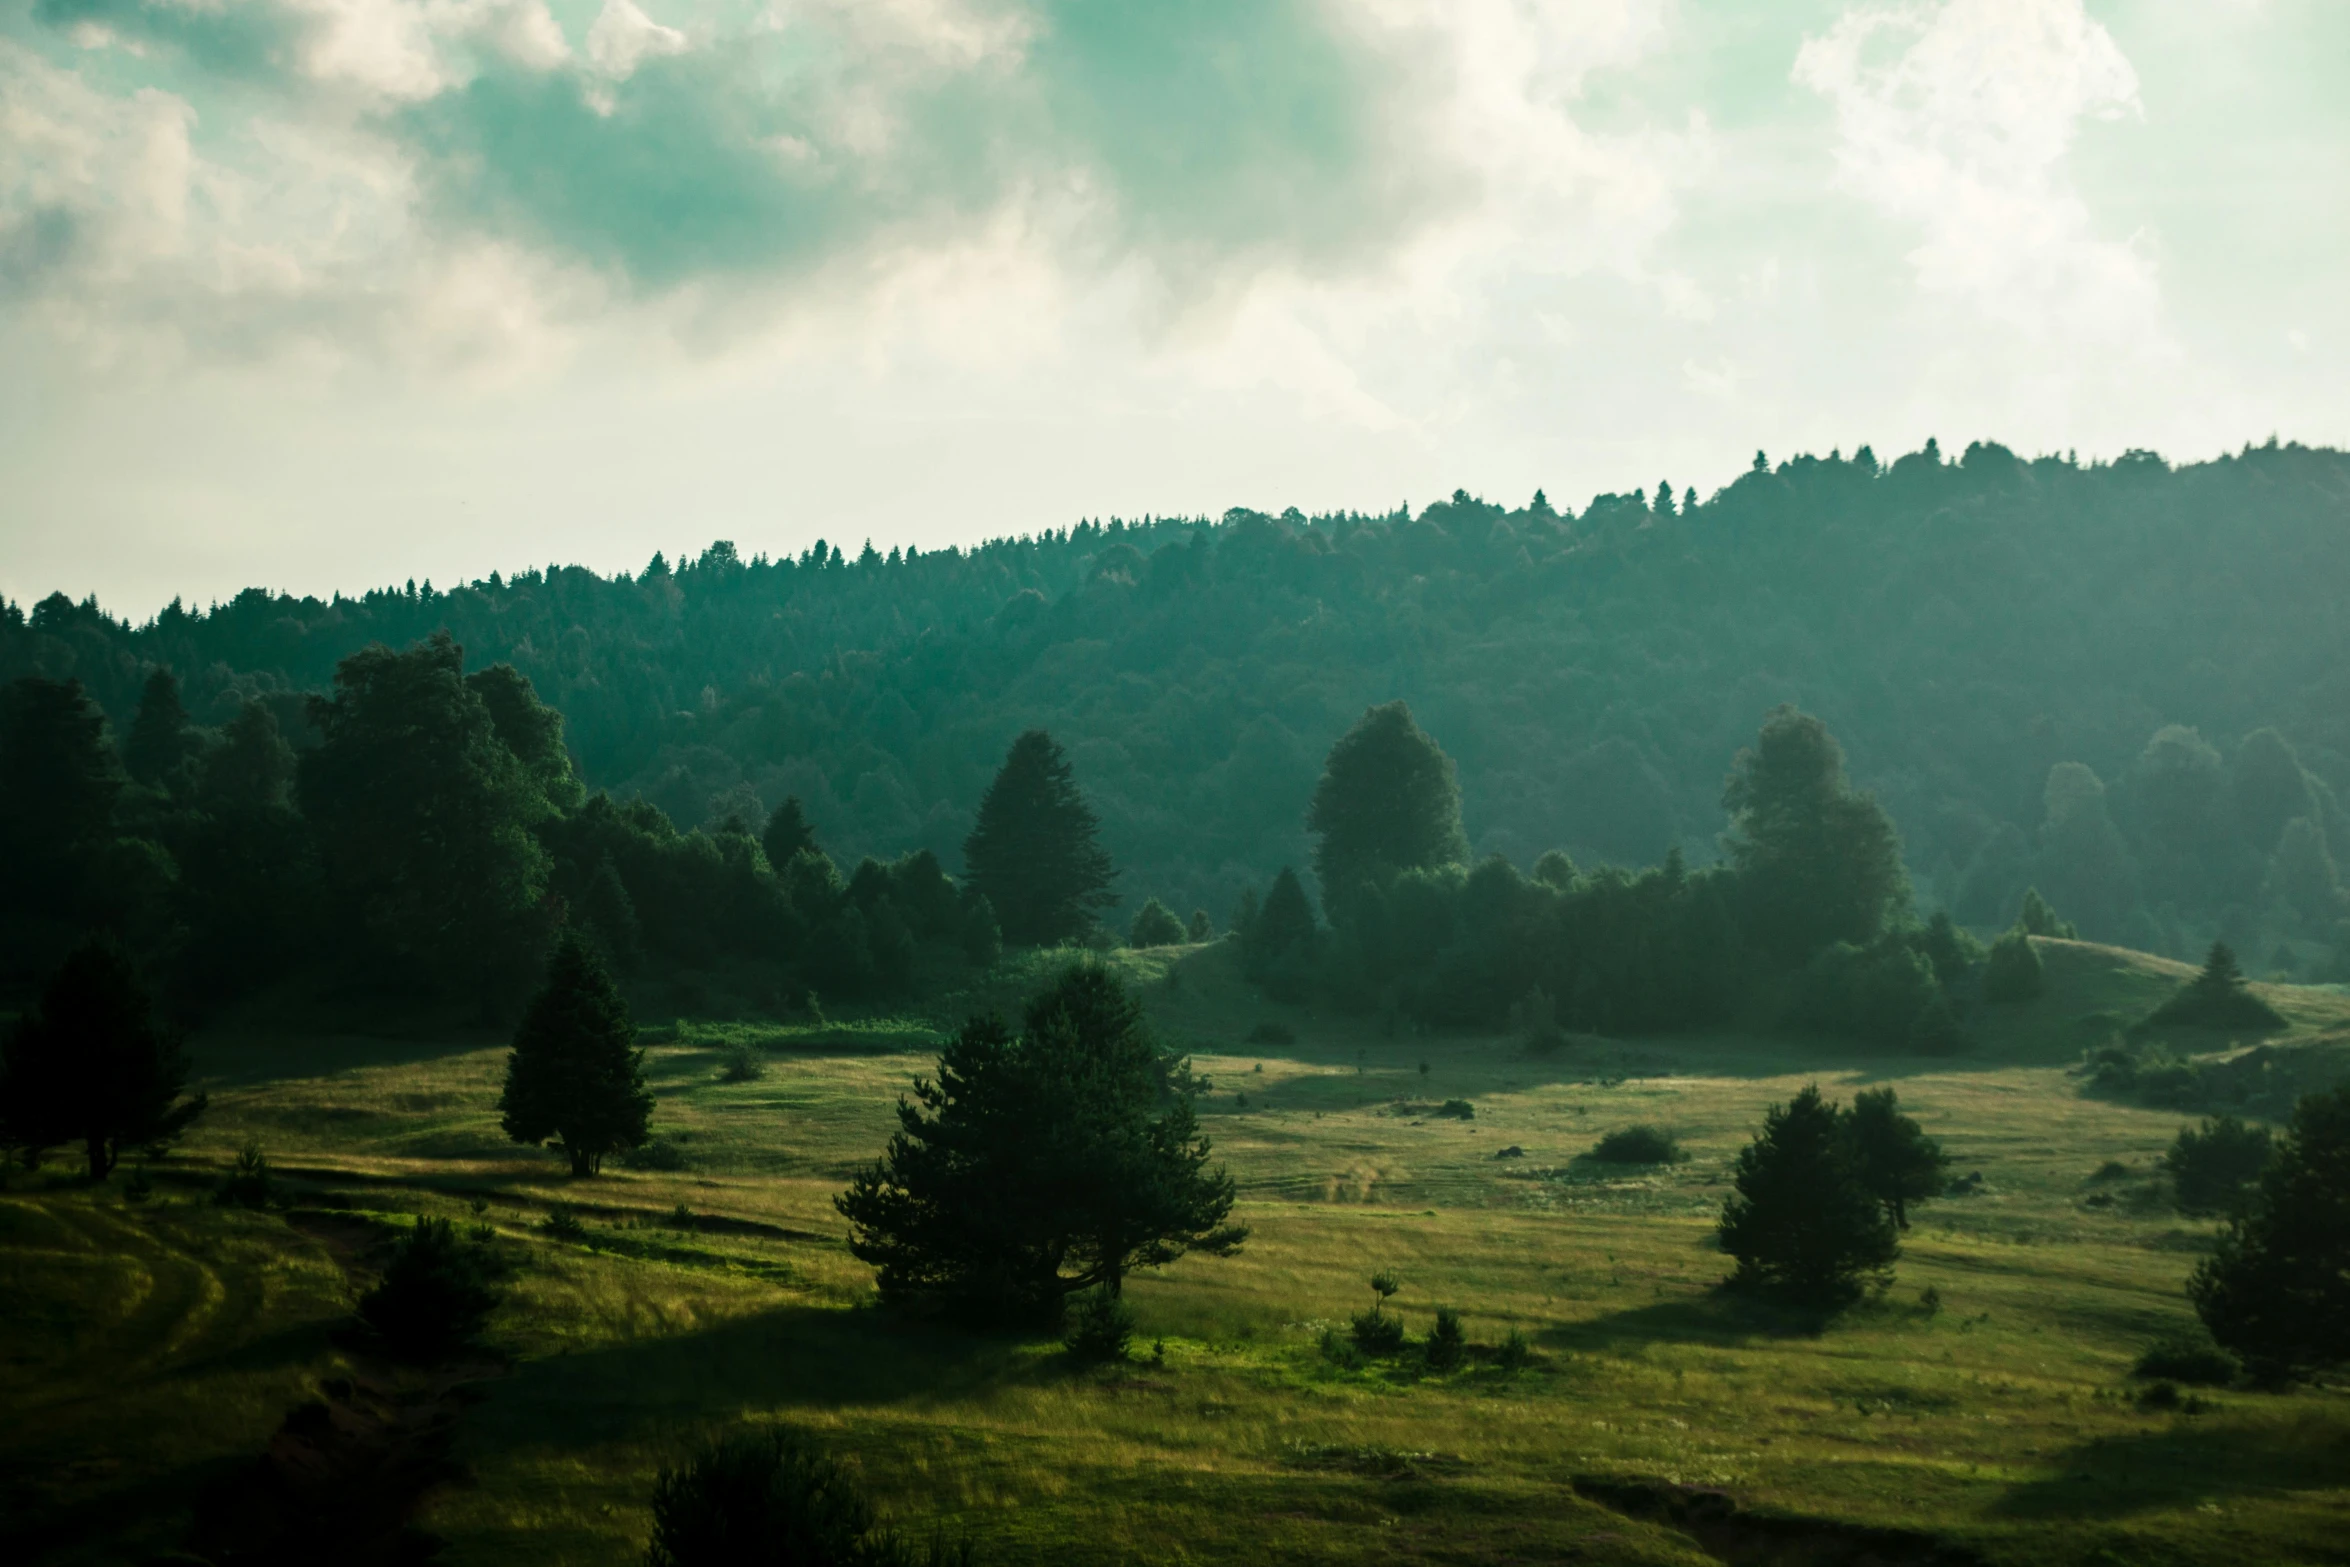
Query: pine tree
[1892,1155]
[1034,852]
[1043,1163]
[1283,931]
[1802,1224]
[1388,801]
[91,1065]
[787,833]
[2217,998]
[2277,1291]
[162,741]
[575,1076]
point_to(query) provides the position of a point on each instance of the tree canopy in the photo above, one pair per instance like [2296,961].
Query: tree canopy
[92,1065]
[1388,801]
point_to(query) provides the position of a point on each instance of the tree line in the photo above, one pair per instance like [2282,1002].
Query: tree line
[2119,682]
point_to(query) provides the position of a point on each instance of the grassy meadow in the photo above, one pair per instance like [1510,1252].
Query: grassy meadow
[1986,1399]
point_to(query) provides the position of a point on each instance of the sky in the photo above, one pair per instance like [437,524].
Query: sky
[330,294]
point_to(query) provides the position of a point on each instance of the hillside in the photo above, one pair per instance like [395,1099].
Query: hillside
[2047,671]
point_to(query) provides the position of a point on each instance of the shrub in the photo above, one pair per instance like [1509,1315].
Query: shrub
[1101,1330]
[1340,1351]
[1272,1034]
[2013,973]
[740,1064]
[1155,926]
[2276,1291]
[1446,1347]
[1638,1145]
[247,1184]
[2213,1166]
[1516,1351]
[773,1498]
[563,1225]
[1376,1333]
[1458,1109]
[434,1294]
[660,1154]
[2189,1358]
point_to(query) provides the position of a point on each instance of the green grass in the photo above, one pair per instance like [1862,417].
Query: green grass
[2004,1419]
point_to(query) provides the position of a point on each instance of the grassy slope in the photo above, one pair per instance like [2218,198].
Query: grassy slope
[2003,1418]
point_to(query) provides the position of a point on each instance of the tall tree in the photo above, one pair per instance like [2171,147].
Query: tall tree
[575,1076]
[788,833]
[1892,1154]
[91,1064]
[1817,860]
[1042,1163]
[162,740]
[423,816]
[59,779]
[1802,1223]
[2277,1290]
[1283,930]
[1034,851]
[1388,801]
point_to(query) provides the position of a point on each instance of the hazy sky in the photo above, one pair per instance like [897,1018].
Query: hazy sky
[332,293]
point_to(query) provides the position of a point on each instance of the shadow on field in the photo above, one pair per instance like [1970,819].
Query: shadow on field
[1716,1317]
[2190,1460]
[807,1357]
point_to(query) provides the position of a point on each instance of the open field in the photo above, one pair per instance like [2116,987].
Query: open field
[151,1345]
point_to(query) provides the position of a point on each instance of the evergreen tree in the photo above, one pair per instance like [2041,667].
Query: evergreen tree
[2012,973]
[162,741]
[1802,1223]
[1892,1155]
[2214,1166]
[2218,998]
[608,911]
[1155,926]
[59,779]
[1034,851]
[1817,861]
[1388,801]
[1041,1164]
[1202,928]
[91,1065]
[423,817]
[1283,931]
[575,1076]
[434,1295]
[788,833]
[2277,1291]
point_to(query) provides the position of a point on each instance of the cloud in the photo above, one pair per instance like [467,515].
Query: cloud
[1957,118]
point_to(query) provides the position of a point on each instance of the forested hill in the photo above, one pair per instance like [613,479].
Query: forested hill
[1965,628]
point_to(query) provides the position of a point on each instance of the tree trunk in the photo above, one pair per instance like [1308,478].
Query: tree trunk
[581,1162]
[1900,1213]
[101,1159]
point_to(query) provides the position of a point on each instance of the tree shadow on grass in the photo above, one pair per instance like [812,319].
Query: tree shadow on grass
[2181,1462]
[811,1358]
[1718,1317]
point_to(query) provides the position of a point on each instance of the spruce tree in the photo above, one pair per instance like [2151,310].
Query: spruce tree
[1388,801]
[1283,931]
[1034,850]
[1802,1224]
[575,1076]
[162,741]
[2277,1291]
[1040,1164]
[91,1065]
[2216,998]
[787,833]
[1892,1155]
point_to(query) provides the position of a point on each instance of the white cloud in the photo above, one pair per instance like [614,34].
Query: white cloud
[1957,117]
[623,36]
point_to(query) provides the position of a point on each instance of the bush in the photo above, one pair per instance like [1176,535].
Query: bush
[2013,973]
[1446,1347]
[773,1498]
[1155,926]
[2189,1358]
[1458,1110]
[563,1225]
[1376,1333]
[1638,1145]
[1341,1352]
[1102,1329]
[1516,1352]
[247,1184]
[2213,1166]
[434,1295]
[660,1154]
[740,1064]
